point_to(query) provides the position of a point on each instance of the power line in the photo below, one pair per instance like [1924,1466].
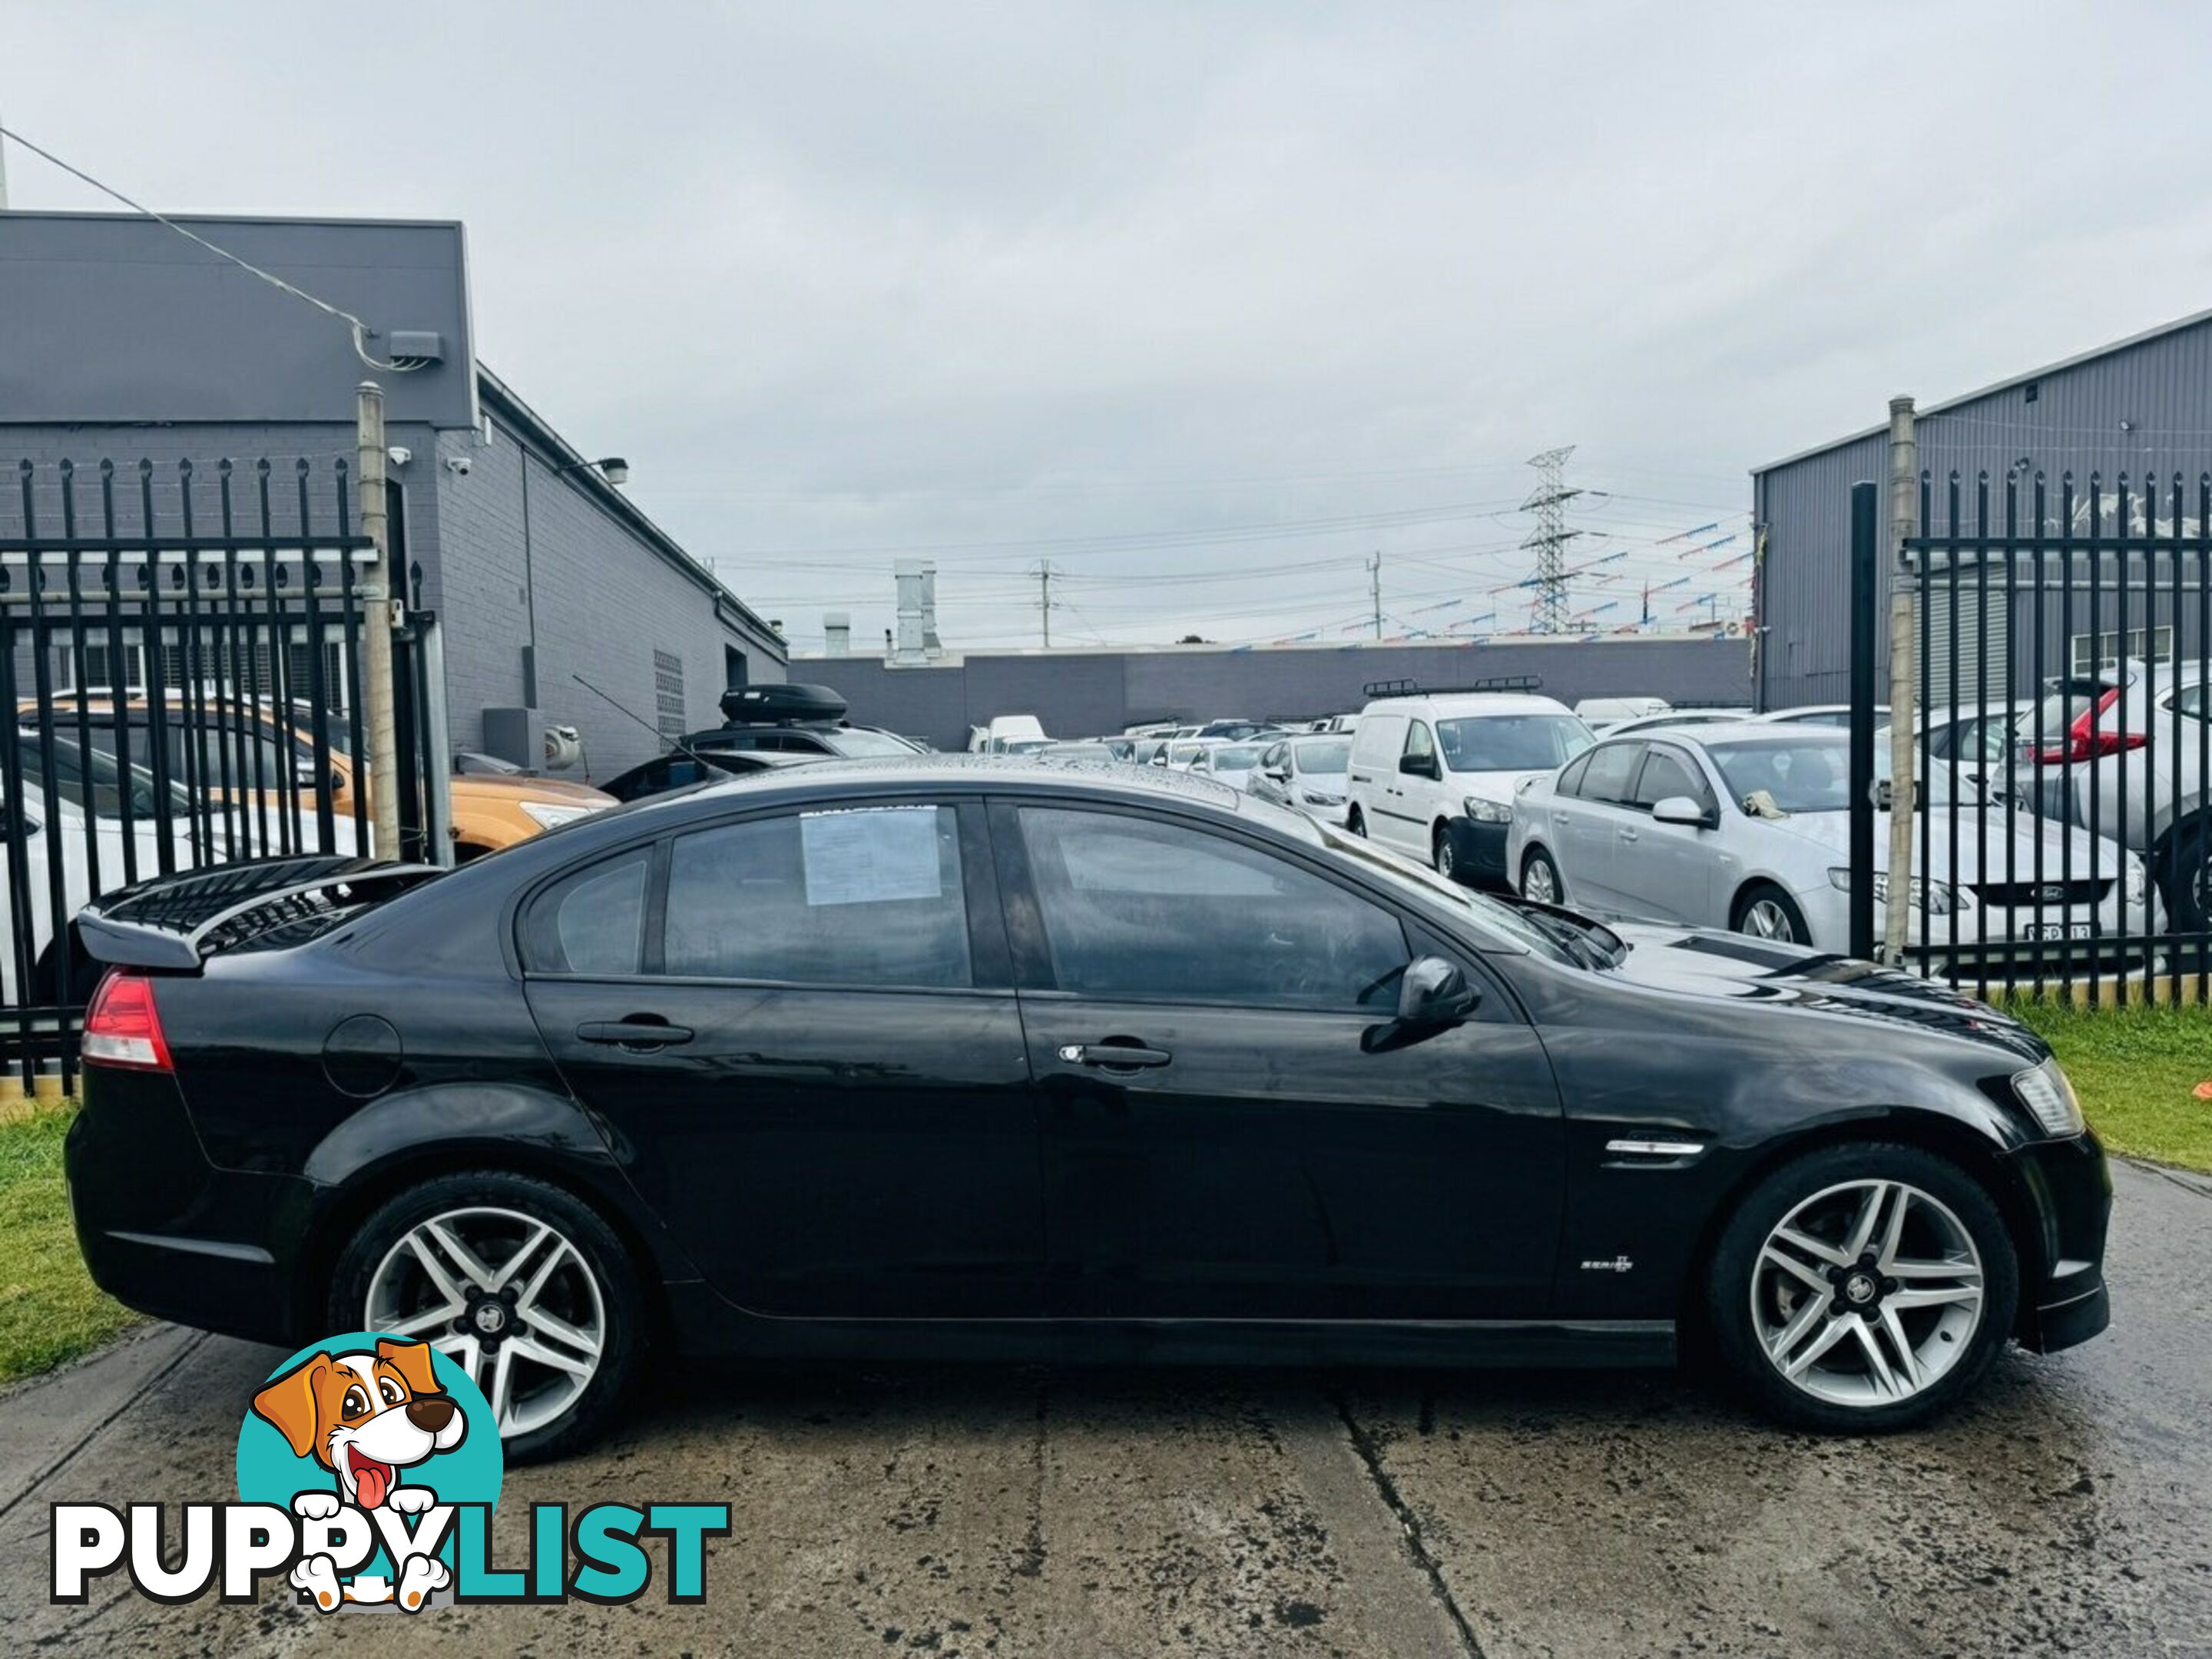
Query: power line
[361,331]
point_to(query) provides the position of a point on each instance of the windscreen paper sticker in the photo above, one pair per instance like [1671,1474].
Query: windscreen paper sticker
[871,857]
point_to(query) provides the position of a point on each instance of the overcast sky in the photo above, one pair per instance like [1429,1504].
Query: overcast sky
[1202,302]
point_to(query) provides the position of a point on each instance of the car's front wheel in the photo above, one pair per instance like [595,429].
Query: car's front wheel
[517,1279]
[1442,853]
[1862,1288]
[1354,824]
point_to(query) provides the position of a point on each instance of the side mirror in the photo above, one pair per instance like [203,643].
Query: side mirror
[1278,774]
[1432,992]
[1419,766]
[1680,809]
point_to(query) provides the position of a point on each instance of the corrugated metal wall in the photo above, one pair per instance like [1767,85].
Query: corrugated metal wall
[2143,408]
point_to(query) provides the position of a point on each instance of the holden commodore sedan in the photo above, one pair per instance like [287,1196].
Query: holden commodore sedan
[985,1058]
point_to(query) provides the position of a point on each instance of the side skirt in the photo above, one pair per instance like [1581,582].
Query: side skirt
[703,1323]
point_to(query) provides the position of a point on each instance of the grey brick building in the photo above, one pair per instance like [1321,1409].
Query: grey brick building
[120,339]
[2141,406]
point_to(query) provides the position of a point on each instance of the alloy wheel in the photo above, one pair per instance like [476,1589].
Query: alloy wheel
[507,1296]
[1867,1293]
[1766,918]
[1537,883]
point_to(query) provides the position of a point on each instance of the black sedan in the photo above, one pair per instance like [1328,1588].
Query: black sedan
[981,1057]
[683,768]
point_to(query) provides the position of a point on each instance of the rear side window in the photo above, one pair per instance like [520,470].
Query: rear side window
[864,896]
[592,921]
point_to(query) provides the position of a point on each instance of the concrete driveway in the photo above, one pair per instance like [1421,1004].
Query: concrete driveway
[938,1510]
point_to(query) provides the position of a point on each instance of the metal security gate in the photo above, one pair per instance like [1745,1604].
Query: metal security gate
[2062,839]
[181,655]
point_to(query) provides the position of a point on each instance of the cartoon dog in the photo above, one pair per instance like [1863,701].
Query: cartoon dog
[365,1417]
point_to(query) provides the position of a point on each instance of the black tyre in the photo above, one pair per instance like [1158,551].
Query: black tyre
[2183,869]
[519,1280]
[1441,854]
[1541,880]
[1862,1288]
[1764,911]
[1354,824]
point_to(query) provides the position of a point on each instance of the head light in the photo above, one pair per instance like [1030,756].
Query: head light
[2050,1099]
[1940,897]
[1479,811]
[549,815]
[2138,881]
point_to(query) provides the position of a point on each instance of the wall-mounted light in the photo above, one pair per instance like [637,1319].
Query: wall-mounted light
[613,467]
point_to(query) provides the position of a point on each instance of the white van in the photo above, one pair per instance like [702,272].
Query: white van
[1007,734]
[1434,776]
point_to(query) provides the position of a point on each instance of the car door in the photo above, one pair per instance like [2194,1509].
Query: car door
[1589,846]
[799,1028]
[1229,1130]
[1402,807]
[1666,870]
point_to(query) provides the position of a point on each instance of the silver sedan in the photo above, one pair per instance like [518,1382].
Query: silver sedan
[1746,828]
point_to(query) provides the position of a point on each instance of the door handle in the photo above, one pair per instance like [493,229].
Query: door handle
[1628,834]
[1114,1055]
[634,1033]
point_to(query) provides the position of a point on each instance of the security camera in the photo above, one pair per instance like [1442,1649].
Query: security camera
[459,465]
[400,454]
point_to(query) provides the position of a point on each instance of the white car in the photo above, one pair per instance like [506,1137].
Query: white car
[1748,827]
[1184,754]
[1309,774]
[1837,714]
[1603,713]
[1678,717]
[1232,763]
[1433,775]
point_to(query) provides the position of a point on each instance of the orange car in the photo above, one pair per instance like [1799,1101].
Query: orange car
[490,811]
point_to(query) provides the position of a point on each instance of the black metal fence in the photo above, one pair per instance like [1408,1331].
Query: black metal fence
[2062,839]
[181,651]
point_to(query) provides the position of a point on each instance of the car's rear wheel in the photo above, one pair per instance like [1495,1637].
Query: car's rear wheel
[1764,911]
[2184,867]
[517,1279]
[1354,824]
[1539,878]
[1862,1288]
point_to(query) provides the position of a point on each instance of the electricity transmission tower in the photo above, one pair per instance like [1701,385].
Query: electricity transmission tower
[1549,501]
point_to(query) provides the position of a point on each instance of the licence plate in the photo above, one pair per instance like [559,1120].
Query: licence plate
[2063,930]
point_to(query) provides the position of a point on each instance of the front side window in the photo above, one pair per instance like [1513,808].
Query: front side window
[1420,745]
[1142,907]
[1665,775]
[861,896]
[1605,776]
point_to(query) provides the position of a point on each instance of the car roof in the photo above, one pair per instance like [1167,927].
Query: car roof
[1461,704]
[1733,732]
[977,773]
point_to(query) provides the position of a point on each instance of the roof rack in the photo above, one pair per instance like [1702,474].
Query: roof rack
[1375,690]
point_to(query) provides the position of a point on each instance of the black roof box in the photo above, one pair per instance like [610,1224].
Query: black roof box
[781,705]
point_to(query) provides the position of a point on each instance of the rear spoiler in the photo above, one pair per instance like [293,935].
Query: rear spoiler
[179,922]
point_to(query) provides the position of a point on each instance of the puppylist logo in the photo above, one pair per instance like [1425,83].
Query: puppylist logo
[368,1468]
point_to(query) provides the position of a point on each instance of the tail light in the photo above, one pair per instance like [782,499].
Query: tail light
[2084,741]
[123,1027]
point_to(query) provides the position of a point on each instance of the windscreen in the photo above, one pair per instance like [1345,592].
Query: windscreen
[1512,743]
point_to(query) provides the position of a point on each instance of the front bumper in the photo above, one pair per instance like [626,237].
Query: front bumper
[166,1232]
[1479,851]
[2063,1296]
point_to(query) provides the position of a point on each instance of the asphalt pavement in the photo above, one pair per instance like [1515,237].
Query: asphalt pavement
[944,1511]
